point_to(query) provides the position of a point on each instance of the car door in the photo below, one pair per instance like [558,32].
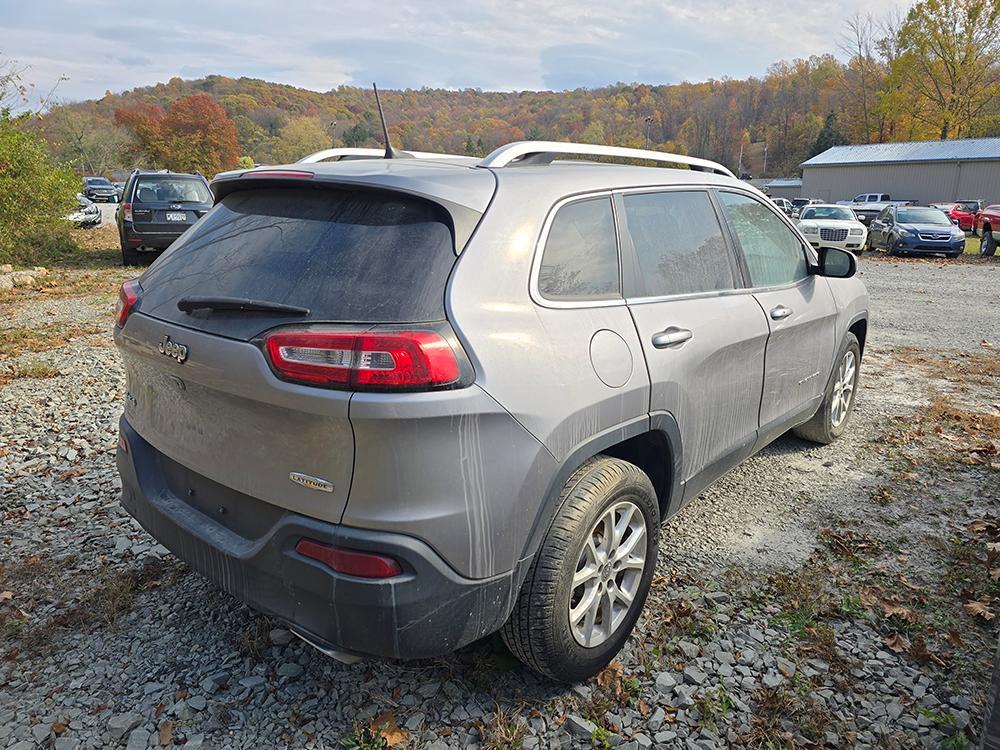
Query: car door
[702,333]
[800,308]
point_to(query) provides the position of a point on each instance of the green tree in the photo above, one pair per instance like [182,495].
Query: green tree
[950,61]
[300,137]
[358,135]
[829,136]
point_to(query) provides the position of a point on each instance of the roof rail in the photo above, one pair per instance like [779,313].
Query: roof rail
[543,152]
[343,154]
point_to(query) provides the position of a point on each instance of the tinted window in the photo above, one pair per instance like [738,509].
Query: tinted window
[678,243]
[156,189]
[580,260]
[347,256]
[773,252]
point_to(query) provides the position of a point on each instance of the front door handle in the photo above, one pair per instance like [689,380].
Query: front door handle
[780,312]
[671,337]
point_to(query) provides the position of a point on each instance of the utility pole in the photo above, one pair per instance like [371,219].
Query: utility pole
[649,121]
[764,174]
[739,169]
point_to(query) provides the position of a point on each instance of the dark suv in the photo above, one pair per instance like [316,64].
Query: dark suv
[157,208]
[99,189]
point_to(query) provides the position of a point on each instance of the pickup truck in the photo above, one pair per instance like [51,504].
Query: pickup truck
[988,228]
[869,205]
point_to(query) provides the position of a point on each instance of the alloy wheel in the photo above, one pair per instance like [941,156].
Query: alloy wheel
[843,388]
[608,574]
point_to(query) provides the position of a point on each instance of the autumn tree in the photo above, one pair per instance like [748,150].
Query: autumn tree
[192,134]
[299,138]
[950,62]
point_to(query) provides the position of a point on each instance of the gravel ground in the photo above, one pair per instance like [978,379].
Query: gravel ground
[768,622]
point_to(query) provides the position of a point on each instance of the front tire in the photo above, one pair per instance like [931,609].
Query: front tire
[987,245]
[588,582]
[834,414]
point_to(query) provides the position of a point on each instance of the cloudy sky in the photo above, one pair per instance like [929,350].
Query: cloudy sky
[103,45]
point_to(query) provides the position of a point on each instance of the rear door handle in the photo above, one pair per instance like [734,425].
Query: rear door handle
[780,312]
[671,337]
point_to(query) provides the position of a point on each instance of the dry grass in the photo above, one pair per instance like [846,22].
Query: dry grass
[17,341]
[37,370]
[979,366]
[780,714]
[256,638]
[504,730]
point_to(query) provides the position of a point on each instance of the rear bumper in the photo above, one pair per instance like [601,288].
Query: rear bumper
[428,610]
[157,240]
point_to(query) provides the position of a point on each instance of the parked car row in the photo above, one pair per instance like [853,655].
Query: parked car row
[101,189]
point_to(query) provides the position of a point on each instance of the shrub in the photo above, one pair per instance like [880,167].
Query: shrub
[35,193]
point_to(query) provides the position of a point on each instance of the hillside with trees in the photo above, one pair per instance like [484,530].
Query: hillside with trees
[931,73]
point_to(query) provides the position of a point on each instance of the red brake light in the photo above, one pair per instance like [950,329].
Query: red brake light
[364,361]
[128,297]
[349,561]
[281,173]
[127,211]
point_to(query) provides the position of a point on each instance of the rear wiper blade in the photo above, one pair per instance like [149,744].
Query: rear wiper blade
[190,304]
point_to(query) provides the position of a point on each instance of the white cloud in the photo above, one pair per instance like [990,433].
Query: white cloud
[451,43]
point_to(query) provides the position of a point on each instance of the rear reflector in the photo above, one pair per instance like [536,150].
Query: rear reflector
[349,561]
[128,297]
[363,361]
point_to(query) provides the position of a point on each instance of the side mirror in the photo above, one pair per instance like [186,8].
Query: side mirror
[955,222]
[836,263]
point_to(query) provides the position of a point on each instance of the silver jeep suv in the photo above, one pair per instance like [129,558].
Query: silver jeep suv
[404,403]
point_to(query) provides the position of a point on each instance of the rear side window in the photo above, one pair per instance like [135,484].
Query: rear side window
[678,243]
[773,252]
[155,189]
[347,256]
[580,260]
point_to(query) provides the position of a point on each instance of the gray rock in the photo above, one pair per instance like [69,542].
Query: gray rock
[664,736]
[690,650]
[121,724]
[580,727]
[694,676]
[280,636]
[656,720]
[642,740]
[197,702]
[138,739]
[665,681]
[772,680]
[413,723]
[67,743]
[290,669]
[253,682]
[786,667]
[41,732]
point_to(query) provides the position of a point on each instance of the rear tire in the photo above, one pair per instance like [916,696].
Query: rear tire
[829,423]
[987,245]
[540,632]
[130,256]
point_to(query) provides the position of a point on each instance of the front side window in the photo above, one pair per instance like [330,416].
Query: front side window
[773,252]
[678,243]
[580,260]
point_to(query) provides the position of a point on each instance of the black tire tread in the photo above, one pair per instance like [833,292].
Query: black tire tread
[589,484]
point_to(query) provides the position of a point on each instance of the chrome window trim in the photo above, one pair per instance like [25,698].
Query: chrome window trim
[536,262]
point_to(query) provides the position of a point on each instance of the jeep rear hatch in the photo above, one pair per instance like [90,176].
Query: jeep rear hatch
[205,388]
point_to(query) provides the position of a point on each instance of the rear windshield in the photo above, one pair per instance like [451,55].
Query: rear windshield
[171,190]
[347,256]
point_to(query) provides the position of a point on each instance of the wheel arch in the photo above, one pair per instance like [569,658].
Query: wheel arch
[651,442]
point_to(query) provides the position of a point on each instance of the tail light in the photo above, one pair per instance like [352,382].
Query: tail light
[127,211]
[128,298]
[349,561]
[364,360]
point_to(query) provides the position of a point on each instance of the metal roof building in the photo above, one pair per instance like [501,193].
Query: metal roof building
[924,171]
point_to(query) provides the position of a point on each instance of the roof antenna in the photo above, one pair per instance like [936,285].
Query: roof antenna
[390,152]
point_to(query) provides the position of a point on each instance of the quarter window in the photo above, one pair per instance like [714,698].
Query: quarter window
[580,260]
[773,252]
[678,243]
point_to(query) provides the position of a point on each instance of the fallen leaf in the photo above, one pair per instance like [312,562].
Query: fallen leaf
[995,574]
[385,725]
[166,735]
[909,584]
[180,695]
[979,609]
[6,596]
[58,728]
[159,710]
[954,638]
[897,610]
[611,675]
[921,653]
[896,642]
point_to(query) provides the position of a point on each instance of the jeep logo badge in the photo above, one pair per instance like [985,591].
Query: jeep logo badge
[173,350]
